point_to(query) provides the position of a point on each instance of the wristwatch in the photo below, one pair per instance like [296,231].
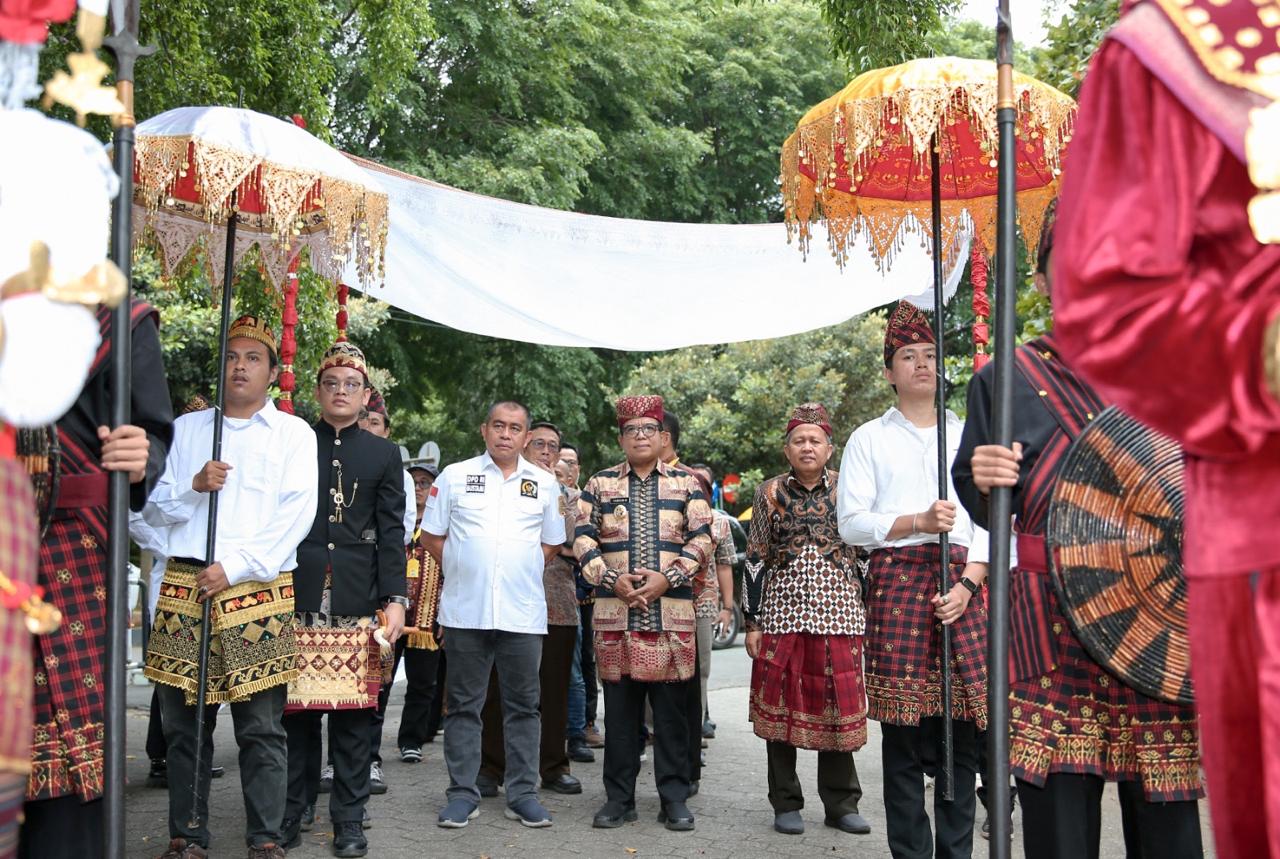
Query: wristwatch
[970,585]
[400,601]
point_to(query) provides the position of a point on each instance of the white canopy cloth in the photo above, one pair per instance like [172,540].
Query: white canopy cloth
[520,272]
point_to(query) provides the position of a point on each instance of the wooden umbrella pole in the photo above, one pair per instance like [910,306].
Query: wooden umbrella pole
[228,272]
[947,781]
[1001,500]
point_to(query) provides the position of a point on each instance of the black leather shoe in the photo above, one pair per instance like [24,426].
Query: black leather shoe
[676,816]
[563,783]
[612,815]
[308,819]
[290,833]
[349,841]
[852,823]
[579,752]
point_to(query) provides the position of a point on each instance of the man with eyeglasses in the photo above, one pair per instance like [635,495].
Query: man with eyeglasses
[644,529]
[543,449]
[493,522]
[350,565]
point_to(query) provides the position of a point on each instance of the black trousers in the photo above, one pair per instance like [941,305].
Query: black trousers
[62,827]
[586,613]
[348,746]
[902,750]
[624,714]
[838,785]
[157,748]
[435,712]
[694,716]
[420,686]
[1063,820]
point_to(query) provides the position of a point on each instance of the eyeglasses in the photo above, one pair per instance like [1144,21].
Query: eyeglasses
[350,386]
[545,444]
[641,430]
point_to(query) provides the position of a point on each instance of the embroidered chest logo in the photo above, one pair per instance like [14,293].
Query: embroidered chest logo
[475,483]
[528,489]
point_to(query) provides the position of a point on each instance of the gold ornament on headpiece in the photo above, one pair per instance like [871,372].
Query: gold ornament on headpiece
[82,90]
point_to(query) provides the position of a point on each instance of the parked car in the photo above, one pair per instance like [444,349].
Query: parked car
[727,634]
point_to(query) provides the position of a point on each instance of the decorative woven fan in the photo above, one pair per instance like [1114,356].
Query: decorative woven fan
[1115,551]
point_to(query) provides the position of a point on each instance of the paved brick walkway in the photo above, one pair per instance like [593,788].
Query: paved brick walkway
[733,815]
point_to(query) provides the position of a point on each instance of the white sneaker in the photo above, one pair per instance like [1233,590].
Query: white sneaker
[326,779]
[376,782]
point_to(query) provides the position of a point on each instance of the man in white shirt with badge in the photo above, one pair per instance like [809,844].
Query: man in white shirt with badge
[887,502]
[492,522]
[267,486]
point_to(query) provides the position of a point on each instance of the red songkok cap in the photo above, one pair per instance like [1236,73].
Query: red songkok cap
[648,406]
[907,325]
[810,413]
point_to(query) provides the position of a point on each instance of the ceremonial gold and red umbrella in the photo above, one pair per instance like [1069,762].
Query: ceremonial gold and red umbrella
[228,179]
[911,152]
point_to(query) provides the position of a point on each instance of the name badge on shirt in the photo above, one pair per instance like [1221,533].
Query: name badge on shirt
[475,483]
[528,489]
[617,506]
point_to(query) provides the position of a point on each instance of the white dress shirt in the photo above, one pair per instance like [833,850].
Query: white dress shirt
[890,468]
[410,507]
[495,529]
[266,507]
[155,541]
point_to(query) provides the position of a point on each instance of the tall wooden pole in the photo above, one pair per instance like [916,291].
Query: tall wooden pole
[1001,499]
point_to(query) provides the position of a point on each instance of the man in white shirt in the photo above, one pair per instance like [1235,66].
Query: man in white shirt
[493,522]
[266,480]
[888,502]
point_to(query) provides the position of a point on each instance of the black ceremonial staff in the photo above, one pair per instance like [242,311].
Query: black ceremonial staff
[1001,499]
[123,43]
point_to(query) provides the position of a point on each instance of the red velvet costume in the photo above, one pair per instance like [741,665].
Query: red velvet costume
[1162,298]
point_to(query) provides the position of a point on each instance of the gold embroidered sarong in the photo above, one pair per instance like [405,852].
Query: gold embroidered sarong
[253,646]
[340,668]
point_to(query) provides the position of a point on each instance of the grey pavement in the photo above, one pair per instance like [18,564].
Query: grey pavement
[733,814]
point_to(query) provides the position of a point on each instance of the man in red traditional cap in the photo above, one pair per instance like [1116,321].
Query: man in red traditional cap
[644,529]
[1168,301]
[805,622]
[888,503]
[1105,730]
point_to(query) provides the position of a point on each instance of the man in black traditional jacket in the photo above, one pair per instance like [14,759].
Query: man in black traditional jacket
[351,565]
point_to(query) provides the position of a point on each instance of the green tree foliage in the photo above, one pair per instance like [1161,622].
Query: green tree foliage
[656,109]
[281,56]
[868,34]
[1072,41]
[733,401]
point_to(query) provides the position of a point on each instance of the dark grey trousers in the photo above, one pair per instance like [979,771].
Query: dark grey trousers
[472,655]
[263,764]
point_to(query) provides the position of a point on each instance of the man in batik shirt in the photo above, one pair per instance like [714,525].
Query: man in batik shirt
[643,531]
[805,621]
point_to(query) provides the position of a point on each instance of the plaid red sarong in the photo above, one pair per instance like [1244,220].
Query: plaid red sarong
[807,691]
[904,641]
[66,752]
[19,555]
[1078,718]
